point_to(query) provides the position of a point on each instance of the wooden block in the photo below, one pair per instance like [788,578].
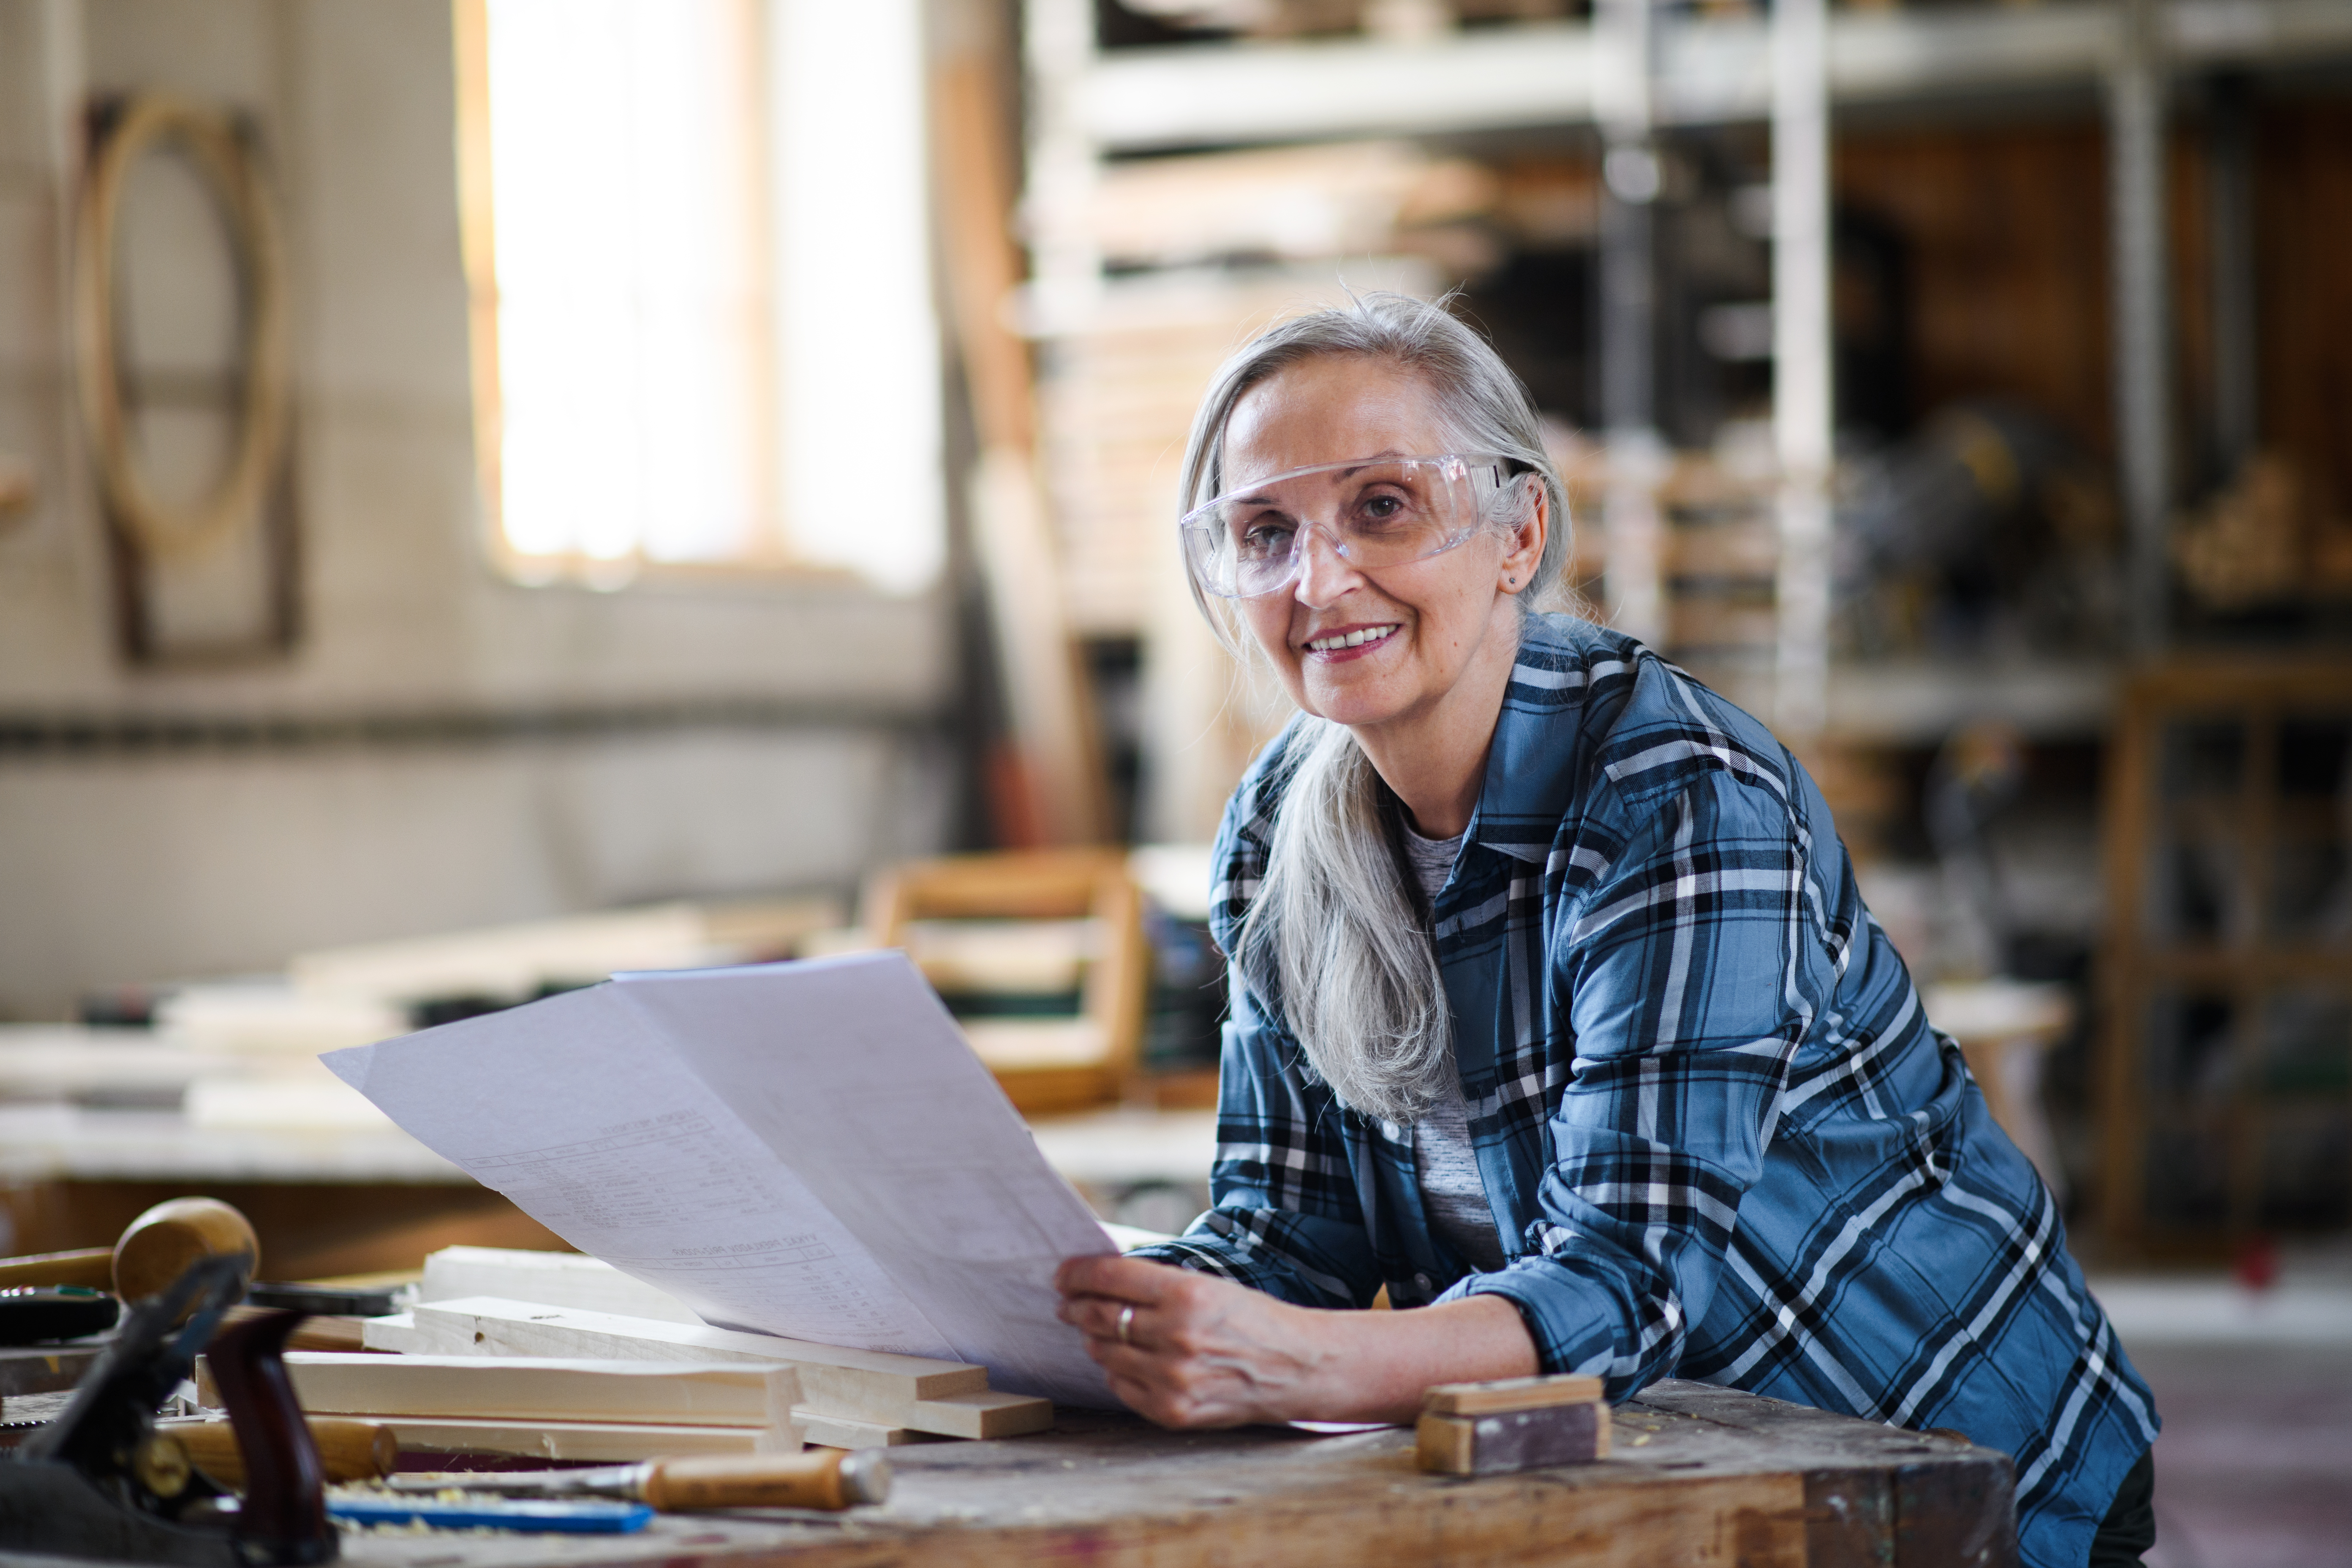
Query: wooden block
[849,1382]
[987,1413]
[674,1394]
[397,1334]
[1512,1441]
[551,1278]
[602,1442]
[1510,1394]
[834,1431]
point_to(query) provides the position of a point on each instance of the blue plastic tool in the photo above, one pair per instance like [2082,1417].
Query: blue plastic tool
[584,1518]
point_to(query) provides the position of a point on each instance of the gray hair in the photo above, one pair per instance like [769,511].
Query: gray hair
[1333,931]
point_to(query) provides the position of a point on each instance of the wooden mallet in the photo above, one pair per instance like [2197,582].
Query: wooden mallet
[154,1250]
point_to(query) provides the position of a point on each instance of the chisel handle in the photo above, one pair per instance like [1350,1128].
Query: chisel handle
[89,1266]
[348,1450]
[829,1478]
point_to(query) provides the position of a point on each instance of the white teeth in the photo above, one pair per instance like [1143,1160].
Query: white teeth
[1348,640]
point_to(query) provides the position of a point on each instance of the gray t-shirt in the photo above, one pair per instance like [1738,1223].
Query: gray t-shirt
[1452,1191]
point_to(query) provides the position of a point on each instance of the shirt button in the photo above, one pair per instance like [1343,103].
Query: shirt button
[1421,1280]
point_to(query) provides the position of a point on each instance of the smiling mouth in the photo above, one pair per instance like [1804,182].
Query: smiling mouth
[1356,639]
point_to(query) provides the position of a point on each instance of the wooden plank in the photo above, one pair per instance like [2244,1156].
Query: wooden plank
[616,1442]
[674,1394]
[1510,1394]
[831,1377]
[860,1388]
[554,1278]
[682,1393]
[839,1432]
[988,1413]
[602,1442]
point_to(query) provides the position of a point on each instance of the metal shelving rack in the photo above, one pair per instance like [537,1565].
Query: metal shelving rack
[1637,68]
[1640,69]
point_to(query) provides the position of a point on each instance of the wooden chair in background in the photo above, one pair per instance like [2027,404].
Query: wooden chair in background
[1007,939]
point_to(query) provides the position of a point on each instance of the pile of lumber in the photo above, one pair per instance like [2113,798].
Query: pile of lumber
[561,1356]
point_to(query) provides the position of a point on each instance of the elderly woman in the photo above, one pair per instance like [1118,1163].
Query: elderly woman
[1554,1007]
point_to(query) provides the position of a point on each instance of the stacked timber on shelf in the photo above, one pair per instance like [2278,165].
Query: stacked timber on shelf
[566,1357]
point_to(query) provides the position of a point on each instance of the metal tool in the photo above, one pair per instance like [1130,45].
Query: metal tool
[30,1314]
[101,1481]
[831,1479]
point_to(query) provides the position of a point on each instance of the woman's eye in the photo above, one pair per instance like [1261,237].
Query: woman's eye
[1267,540]
[1382,511]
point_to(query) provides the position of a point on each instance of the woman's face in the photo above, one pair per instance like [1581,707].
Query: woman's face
[1425,623]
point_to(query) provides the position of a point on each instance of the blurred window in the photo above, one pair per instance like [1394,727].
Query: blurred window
[616,249]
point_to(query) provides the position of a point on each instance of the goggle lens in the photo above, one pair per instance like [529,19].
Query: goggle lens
[1384,512]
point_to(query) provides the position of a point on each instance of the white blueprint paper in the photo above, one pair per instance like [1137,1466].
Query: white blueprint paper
[808,1148]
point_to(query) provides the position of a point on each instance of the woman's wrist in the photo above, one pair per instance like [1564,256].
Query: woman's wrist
[1375,1366]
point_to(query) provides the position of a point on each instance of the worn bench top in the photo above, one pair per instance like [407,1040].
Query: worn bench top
[1700,1475]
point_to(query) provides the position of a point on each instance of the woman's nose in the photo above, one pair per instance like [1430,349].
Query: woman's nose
[1324,574]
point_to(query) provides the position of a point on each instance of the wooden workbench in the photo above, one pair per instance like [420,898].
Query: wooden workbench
[1701,1476]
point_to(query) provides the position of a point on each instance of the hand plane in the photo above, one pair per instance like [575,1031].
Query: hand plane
[100,1480]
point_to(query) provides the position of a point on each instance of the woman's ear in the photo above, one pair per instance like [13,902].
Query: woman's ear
[1525,551]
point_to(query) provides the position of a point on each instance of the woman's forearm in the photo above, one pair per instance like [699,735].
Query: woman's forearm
[1191,1349]
[1383,1361]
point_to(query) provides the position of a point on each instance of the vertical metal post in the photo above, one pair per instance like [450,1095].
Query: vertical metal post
[2143,356]
[2230,229]
[1625,63]
[1802,410]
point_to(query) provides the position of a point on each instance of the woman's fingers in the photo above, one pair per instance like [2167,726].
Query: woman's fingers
[1128,1279]
[1101,1317]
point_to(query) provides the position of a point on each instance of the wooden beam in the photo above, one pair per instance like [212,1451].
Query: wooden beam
[488,1326]
[664,1393]
[860,1388]
[1056,763]
[556,1279]
[600,1442]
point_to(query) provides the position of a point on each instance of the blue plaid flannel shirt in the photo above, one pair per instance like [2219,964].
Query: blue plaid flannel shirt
[1719,1139]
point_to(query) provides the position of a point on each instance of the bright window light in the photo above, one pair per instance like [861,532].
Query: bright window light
[678,214]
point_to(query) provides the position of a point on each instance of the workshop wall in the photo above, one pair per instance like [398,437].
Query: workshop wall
[441,747]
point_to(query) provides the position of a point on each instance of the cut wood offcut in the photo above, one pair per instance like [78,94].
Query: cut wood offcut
[872,1387]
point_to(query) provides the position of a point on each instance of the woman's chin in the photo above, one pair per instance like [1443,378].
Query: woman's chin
[1355,704]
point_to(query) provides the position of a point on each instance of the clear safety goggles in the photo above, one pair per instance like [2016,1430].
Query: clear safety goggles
[1373,512]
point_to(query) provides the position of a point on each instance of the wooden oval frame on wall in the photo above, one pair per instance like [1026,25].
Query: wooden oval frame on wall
[223,157]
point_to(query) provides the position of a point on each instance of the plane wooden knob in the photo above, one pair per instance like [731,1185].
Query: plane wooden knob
[160,1244]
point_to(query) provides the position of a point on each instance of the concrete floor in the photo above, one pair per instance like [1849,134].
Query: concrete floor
[2254,1468]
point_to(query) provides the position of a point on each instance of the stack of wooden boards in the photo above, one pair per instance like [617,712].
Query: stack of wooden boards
[561,1356]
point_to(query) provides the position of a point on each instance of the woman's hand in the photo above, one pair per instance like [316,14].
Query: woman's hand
[1186,1349]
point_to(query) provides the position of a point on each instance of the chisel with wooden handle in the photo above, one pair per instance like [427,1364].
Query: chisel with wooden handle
[832,1479]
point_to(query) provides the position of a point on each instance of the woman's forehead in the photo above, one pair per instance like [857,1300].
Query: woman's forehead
[1330,409]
